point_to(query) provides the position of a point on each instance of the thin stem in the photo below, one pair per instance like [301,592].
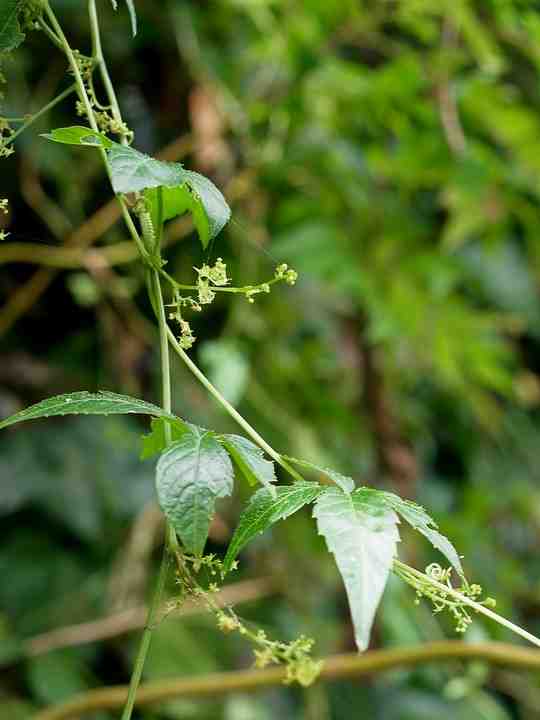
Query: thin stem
[147,635]
[97,53]
[49,106]
[254,435]
[53,37]
[478,607]
[164,350]
[79,82]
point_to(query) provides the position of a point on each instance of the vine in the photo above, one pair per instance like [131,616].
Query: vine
[196,466]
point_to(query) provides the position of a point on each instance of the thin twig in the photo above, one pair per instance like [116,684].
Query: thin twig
[337,666]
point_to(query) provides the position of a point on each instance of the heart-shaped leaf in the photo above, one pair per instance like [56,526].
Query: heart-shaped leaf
[191,475]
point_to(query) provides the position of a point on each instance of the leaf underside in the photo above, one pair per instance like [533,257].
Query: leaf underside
[191,475]
[85,403]
[363,539]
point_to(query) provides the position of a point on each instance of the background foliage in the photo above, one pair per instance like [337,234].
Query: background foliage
[388,151]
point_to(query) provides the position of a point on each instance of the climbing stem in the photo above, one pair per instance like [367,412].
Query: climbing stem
[147,634]
[97,54]
[254,435]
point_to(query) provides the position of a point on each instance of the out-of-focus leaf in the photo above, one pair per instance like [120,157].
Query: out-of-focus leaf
[78,135]
[10,31]
[227,368]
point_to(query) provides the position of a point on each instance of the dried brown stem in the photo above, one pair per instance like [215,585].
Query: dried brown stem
[337,666]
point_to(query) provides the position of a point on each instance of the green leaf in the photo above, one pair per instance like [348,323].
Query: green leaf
[250,460]
[363,537]
[191,475]
[10,30]
[419,519]
[84,403]
[155,442]
[343,481]
[183,190]
[263,510]
[79,135]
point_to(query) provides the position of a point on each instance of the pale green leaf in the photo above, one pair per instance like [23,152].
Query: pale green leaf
[250,460]
[419,519]
[85,403]
[78,135]
[343,481]
[263,510]
[155,442]
[191,475]
[10,30]
[362,537]
[183,190]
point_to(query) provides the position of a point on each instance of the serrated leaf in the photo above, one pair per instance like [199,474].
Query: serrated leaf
[263,510]
[250,460]
[155,442]
[85,403]
[183,190]
[419,519]
[191,475]
[79,135]
[362,538]
[10,29]
[343,481]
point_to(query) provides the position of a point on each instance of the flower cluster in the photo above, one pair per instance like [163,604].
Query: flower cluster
[300,666]
[106,121]
[429,585]
[212,279]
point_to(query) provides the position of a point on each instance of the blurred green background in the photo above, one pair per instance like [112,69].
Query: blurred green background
[389,151]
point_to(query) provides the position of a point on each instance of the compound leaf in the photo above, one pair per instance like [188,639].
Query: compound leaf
[79,135]
[263,510]
[10,29]
[250,460]
[191,475]
[362,537]
[419,519]
[85,403]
